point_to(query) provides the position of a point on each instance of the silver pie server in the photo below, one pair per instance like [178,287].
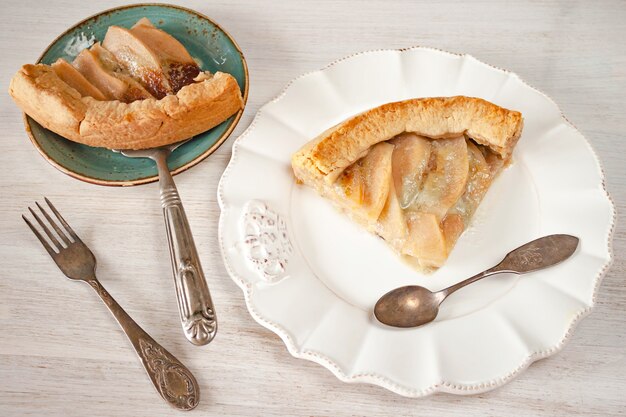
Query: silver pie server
[413,306]
[197,313]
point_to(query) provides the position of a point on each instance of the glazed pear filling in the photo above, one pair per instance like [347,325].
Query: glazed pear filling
[130,64]
[420,193]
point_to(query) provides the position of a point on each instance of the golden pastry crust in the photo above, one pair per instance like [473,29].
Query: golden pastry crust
[141,124]
[441,117]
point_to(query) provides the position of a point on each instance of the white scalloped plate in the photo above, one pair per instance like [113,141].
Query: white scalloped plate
[312,276]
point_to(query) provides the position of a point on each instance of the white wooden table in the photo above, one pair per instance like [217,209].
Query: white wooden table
[62,354]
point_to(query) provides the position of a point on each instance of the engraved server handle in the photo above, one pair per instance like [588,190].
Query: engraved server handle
[173,381]
[197,313]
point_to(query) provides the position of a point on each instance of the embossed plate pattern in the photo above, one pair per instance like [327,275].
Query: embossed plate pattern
[312,276]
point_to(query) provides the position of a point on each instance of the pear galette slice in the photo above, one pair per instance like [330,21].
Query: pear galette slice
[414,171]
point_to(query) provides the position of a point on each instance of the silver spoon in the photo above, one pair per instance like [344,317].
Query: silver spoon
[412,306]
[197,313]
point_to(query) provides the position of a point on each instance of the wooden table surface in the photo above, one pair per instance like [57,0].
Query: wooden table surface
[62,354]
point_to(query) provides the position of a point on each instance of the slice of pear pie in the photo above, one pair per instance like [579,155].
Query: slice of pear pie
[414,171]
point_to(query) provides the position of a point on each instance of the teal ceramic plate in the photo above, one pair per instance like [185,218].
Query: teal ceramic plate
[204,39]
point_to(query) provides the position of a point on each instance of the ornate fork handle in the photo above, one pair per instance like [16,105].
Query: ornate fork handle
[174,382]
[197,313]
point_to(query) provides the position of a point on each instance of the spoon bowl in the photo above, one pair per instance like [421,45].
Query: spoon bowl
[408,306]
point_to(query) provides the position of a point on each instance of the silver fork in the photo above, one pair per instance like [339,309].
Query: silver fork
[197,313]
[173,381]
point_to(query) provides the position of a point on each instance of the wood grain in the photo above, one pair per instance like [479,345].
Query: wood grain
[62,354]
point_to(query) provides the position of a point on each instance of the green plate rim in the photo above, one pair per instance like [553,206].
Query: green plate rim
[145,180]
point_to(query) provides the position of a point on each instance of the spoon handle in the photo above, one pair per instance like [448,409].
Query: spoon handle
[196,309]
[442,294]
[539,254]
[533,256]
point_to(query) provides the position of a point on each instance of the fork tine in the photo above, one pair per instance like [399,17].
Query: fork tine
[54,225]
[45,229]
[41,239]
[62,220]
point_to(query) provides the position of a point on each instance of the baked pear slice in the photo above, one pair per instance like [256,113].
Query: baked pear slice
[152,56]
[365,184]
[177,64]
[425,242]
[135,91]
[421,165]
[411,160]
[392,224]
[101,72]
[446,180]
[72,77]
